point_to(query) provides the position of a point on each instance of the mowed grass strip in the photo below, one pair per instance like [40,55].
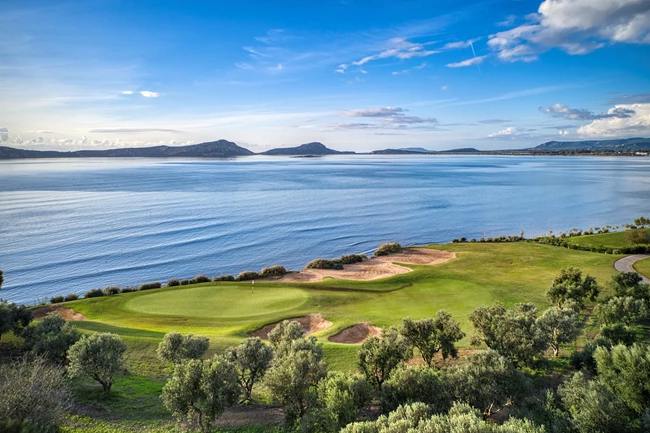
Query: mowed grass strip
[607,240]
[643,267]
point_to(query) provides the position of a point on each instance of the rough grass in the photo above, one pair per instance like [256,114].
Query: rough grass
[643,267]
[608,240]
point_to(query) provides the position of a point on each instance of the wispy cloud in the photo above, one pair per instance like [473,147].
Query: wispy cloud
[460,44]
[398,48]
[513,95]
[149,94]
[469,62]
[389,118]
[510,133]
[563,111]
[493,121]
[132,130]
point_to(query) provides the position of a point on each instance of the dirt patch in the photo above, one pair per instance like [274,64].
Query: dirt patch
[356,334]
[310,324]
[241,416]
[66,313]
[376,267]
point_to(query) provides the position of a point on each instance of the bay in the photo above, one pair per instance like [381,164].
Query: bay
[72,225]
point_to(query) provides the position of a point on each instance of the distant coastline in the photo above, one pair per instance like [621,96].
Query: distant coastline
[228,149]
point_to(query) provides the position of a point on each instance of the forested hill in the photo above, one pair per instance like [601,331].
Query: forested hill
[621,145]
[213,149]
[314,148]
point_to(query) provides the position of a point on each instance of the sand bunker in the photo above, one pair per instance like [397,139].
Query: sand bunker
[310,324]
[376,267]
[66,313]
[356,334]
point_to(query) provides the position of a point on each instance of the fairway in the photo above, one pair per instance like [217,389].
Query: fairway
[608,240]
[643,267]
[239,301]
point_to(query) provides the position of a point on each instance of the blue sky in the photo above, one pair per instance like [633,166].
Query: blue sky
[355,75]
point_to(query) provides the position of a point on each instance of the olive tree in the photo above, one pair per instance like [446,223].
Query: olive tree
[559,325]
[625,310]
[641,222]
[513,333]
[177,348]
[99,356]
[630,284]
[430,336]
[33,395]
[344,395]
[13,317]
[378,357]
[200,391]
[283,334]
[638,237]
[51,338]
[251,359]
[410,384]
[570,289]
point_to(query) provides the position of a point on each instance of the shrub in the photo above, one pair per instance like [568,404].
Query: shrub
[185,282]
[149,286]
[224,277]
[129,289]
[71,297]
[247,275]
[201,278]
[173,282]
[112,290]
[274,271]
[98,356]
[412,384]
[325,264]
[94,293]
[56,299]
[352,258]
[386,249]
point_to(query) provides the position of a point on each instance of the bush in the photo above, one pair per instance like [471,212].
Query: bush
[247,275]
[386,249]
[185,282]
[352,258]
[129,289]
[71,297]
[201,278]
[112,290]
[224,277]
[274,271]
[94,293]
[325,264]
[412,384]
[173,282]
[56,299]
[149,286]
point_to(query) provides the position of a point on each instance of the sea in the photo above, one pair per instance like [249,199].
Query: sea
[70,225]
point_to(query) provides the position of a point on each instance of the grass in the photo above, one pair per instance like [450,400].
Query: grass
[643,267]
[608,240]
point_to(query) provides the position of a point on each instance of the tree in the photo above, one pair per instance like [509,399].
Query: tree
[410,384]
[629,284]
[200,391]
[252,359]
[559,325]
[283,334]
[487,379]
[33,394]
[513,333]
[98,356]
[641,222]
[294,376]
[431,336]
[343,395]
[13,317]
[571,289]
[626,373]
[618,334]
[378,357]
[51,338]
[637,237]
[625,310]
[177,348]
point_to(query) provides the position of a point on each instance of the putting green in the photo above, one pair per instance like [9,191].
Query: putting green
[219,302]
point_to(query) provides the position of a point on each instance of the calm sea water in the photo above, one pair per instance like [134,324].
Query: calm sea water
[72,225]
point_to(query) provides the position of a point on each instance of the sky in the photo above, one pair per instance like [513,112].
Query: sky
[354,75]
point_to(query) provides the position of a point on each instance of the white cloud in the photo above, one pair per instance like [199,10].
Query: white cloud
[565,132]
[510,133]
[612,126]
[341,69]
[460,44]
[244,66]
[127,92]
[469,62]
[444,88]
[575,26]
[4,134]
[149,94]
[398,48]
[561,110]
[389,118]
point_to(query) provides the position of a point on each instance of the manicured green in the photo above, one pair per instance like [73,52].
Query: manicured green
[643,267]
[608,240]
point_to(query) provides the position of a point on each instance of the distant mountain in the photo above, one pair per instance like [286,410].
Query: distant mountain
[461,150]
[420,151]
[396,152]
[213,149]
[621,145]
[416,149]
[314,148]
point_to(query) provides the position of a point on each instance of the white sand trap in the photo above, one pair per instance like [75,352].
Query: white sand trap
[376,267]
[310,324]
[356,334]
